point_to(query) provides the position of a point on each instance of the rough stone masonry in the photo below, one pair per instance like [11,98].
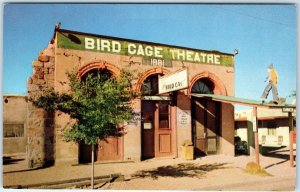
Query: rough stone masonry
[40,123]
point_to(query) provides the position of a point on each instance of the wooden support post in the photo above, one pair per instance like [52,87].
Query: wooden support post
[291,126]
[255,130]
[291,129]
[291,150]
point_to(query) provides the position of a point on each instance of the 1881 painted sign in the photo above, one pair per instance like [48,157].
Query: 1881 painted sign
[157,54]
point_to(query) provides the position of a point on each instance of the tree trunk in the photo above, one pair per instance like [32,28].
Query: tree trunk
[92,178]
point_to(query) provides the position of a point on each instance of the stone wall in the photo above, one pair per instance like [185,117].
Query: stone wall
[40,123]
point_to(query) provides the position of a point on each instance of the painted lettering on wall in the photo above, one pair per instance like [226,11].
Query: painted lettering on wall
[157,55]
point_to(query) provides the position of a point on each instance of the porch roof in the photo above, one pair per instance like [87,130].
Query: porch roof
[242,101]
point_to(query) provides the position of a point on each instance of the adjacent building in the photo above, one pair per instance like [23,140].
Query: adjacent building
[14,124]
[273,127]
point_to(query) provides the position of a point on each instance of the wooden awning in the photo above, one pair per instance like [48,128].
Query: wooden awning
[241,101]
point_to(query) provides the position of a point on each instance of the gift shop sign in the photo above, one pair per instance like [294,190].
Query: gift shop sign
[152,53]
[173,82]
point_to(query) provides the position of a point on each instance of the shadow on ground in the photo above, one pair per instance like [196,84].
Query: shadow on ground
[277,152]
[9,160]
[22,167]
[180,170]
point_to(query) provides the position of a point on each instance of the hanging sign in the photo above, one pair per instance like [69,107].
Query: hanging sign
[173,82]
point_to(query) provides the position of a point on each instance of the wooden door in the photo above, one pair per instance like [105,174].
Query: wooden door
[148,111]
[199,132]
[163,129]
[156,129]
[205,126]
[110,149]
[212,125]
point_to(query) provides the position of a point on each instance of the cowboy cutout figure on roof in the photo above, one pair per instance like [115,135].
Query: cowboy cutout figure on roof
[272,79]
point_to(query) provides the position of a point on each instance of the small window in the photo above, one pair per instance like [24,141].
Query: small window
[13,130]
[272,131]
[164,115]
[271,125]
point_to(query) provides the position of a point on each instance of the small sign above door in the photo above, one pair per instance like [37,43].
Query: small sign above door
[173,82]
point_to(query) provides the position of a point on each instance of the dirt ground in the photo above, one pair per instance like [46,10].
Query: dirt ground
[215,172]
[212,173]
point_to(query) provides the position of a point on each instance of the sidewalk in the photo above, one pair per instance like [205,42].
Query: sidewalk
[201,173]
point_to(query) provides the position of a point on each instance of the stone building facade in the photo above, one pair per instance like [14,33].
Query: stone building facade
[164,121]
[40,130]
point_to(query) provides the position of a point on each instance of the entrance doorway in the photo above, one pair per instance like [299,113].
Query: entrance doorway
[109,149]
[205,116]
[157,127]
[205,120]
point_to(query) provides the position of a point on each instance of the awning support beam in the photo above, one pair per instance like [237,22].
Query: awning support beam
[255,130]
[291,129]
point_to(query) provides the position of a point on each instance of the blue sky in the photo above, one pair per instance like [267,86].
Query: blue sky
[263,34]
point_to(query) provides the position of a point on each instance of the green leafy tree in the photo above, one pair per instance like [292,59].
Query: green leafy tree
[98,103]
[293,95]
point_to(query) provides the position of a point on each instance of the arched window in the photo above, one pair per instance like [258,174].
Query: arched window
[203,86]
[104,74]
[150,85]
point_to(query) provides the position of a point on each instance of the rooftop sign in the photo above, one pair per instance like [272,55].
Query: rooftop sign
[173,82]
[160,53]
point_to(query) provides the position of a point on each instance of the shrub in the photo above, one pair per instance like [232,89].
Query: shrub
[254,168]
